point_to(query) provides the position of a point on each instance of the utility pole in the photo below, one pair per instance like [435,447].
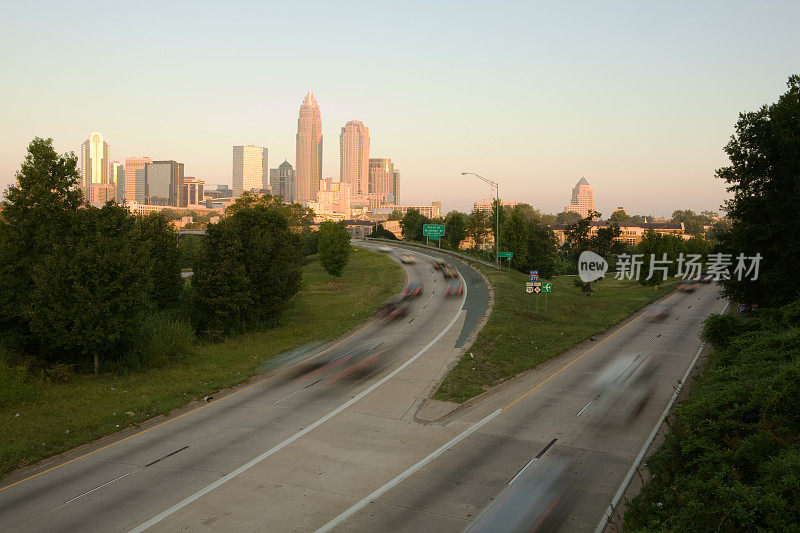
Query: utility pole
[497,210]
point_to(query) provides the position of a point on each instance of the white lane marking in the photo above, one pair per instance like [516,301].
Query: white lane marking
[610,509]
[287,396]
[524,468]
[408,472]
[585,407]
[180,505]
[97,488]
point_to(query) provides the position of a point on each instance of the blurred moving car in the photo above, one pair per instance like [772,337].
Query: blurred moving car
[624,386]
[412,290]
[449,272]
[385,249]
[437,264]
[454,288]
[659,312]
[687,285]
[408,259]
[397,307]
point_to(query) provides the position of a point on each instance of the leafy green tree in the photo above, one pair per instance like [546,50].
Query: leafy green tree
[35,215]
[334,247]
[455,228]
[567,217]
[542,250]
[619,216]
[188,248]
[656,245]
[248,270]
[477,226]
[379,232]
[395,215]
[764,179]
[161,244]
[411,225]
[514,235]
[297,215]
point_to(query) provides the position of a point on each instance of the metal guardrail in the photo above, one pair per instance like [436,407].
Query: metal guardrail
[435,249]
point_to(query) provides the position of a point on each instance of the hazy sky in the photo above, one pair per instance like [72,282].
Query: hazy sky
[638,97]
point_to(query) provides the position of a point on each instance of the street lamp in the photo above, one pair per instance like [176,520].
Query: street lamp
[497,210]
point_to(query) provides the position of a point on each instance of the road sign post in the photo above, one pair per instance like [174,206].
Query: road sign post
[547,288]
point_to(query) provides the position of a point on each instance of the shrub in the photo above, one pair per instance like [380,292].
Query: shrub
[164,337]
[719,330]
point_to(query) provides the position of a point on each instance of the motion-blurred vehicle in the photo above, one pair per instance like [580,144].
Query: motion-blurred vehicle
[454,288]
[658,312]
[395,308]
[687,285]
[449,271]
[408,259]
[706,278]
[412,290]
[624,386]
[385,249]
[437,264]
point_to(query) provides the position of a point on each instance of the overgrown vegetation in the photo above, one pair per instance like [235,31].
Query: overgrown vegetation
[731,461]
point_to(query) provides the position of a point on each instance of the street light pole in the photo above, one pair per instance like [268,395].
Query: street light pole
[497,210]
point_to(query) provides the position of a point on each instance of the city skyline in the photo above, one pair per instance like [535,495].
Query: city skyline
[639,103]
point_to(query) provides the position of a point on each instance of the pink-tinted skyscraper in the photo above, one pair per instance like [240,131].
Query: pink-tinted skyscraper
[96,170]
[354,156]
[309,150]
[582,201]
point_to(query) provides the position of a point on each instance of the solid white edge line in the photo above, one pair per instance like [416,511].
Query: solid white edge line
[622,488]
[408,472]
[96,488]
[180,505]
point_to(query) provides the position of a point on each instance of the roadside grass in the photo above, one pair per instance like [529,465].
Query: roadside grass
[43,417]
[515,339]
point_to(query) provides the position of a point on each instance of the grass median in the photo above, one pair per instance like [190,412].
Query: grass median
[516,339]
[43,418]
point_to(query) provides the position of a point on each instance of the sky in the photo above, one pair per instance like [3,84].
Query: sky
[638,97]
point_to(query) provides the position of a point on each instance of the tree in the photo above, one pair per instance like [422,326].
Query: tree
[477,226]
[411,225]
[395,215]
[35,215]
[90,293]
[542,250]
[455,228]
[567,217]
[297,215]
[514,234]
[380,232]
[334,247]
[619,216]
[160,242]
[248,269]
[764,178]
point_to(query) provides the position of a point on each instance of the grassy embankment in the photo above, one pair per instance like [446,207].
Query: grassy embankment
[40,419]
[515,340]
[731,461]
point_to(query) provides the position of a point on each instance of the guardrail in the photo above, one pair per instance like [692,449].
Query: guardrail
[435,249]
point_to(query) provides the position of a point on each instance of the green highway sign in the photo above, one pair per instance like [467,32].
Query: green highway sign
[505,254]
[434,231]
[547,286]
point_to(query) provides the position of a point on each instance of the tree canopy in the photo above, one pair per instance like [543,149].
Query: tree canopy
[334,247]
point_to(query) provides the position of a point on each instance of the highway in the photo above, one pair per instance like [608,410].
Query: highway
[546,450]
[120,483]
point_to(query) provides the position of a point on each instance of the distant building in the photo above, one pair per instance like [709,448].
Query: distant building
[582,199]
[135,189]
[250,169]
[309,150]
[630,232]
[396,186]
[381,180]
[118,181]
[222,191]
[283,181]
[486,205]
[431,211]
[333,200]
[354,156]
[192,191]
[164,183]
[96,170]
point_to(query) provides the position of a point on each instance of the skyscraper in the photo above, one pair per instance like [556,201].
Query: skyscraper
[192,192]
[582,199]
[354,156]
[282,180]
[118,180]
[396,186]
[381,180]
[134,181]
[164,183]
[96,170]
[309,150]
[250,169]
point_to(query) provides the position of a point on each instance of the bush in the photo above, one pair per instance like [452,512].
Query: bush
[164,337]
[160,242]
[719,330]
[334,247]
[15,384]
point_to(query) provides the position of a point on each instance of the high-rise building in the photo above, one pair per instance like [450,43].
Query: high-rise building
[163,183]
[354,156]
[192,191]
[582,199]
[250,169]
[282,181]
[118,180]
[135,182]
[333,200]
[381,179]
[309,150]
[396,185]
[96,170]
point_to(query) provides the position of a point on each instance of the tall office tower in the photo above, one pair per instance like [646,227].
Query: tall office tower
[582,199]
[96,169]
[396,186]
[192,192]
[134,183]
[250,169]
[282,181]
[163,183]
[354,156]
[309,150]
[381,178]
[118,181]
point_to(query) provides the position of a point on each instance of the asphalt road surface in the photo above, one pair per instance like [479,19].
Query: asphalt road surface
[324,452]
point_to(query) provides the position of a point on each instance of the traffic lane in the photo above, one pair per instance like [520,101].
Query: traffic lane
[551,412]
[195,430]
